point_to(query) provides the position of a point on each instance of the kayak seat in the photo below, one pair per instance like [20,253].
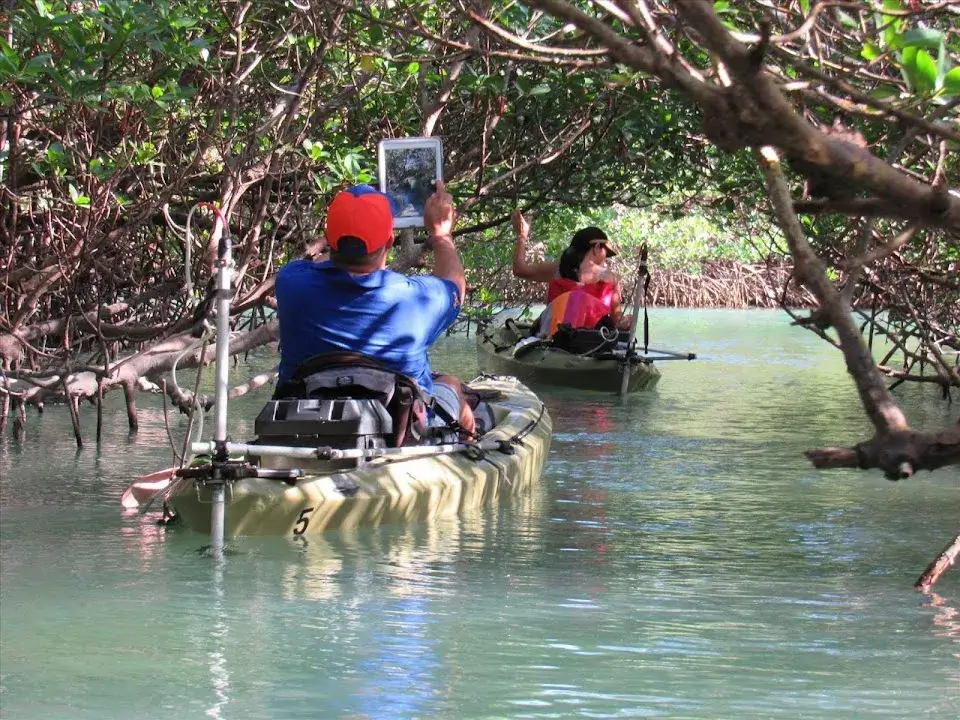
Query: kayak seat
[344,400]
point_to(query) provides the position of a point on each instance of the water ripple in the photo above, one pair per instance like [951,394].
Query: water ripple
[679,559]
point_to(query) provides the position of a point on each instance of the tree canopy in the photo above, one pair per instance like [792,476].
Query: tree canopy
[827,128]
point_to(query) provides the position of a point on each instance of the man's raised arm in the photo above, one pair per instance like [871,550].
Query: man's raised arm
[439,217]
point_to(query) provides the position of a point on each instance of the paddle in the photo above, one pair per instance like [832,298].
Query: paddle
[639,295]
[145,487]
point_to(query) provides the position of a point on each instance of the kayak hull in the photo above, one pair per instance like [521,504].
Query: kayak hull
[542,364]
[388,491]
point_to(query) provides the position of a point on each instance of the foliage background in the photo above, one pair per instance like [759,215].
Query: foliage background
[643,117]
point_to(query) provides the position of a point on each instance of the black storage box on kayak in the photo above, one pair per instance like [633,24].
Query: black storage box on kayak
[581,340]
[314,422]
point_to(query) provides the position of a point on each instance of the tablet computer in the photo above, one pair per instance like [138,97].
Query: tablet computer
[408,168]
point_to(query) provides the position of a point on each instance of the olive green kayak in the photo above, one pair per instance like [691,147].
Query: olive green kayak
[584,359]
[298,491]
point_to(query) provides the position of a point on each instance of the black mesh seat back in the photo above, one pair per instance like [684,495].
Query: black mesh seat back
[352,382]
[352,375]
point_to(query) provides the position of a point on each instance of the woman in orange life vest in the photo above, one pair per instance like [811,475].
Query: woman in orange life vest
[581,290]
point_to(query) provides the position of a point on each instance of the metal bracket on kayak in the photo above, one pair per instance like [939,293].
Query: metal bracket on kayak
[326,452]
[506,447]
[669,355]
[223,472]
[652,355]
[633,359]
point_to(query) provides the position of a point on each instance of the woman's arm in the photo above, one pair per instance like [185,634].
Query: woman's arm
[541,271]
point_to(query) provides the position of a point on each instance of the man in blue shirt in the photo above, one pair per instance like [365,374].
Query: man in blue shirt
[353,303]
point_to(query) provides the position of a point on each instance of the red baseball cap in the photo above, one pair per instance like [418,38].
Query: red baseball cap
[359,220]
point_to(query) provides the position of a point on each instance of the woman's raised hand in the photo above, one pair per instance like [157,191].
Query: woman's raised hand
[520,224]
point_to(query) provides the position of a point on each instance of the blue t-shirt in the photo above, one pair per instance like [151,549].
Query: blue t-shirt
[385,315]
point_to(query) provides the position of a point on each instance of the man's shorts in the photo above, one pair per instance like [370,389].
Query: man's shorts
[446,396]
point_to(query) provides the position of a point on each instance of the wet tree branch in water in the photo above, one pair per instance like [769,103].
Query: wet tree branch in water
[895,448]
[880,406]
[940,565]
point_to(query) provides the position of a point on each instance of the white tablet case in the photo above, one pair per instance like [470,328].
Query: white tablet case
[408,168]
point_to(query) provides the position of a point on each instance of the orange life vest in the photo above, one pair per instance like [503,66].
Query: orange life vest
[576,308]
[601,290]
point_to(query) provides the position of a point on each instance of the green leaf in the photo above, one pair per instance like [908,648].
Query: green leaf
[943,62]
[921,37]
[805,7]
[413,68]
[351,164]
[721,6]
[78,199]
[541,89]
[951,83]
[848,20]
[884,92]
[183,22]
[314,150]
[36,65]
[157,92]
[908,67]
[870,51]
[144,153]
[200,45]
[926,70]
[55,154]
[9,60]
[890,24]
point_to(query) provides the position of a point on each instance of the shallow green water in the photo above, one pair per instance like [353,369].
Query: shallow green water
[680,560]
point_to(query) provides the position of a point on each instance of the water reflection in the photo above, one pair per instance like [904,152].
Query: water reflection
[580,503]
[414,560]
[402,676]
[219,674]
[143,537]
[946,621]
[680,559]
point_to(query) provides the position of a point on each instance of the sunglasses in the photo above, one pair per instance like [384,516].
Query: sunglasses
[601,245]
